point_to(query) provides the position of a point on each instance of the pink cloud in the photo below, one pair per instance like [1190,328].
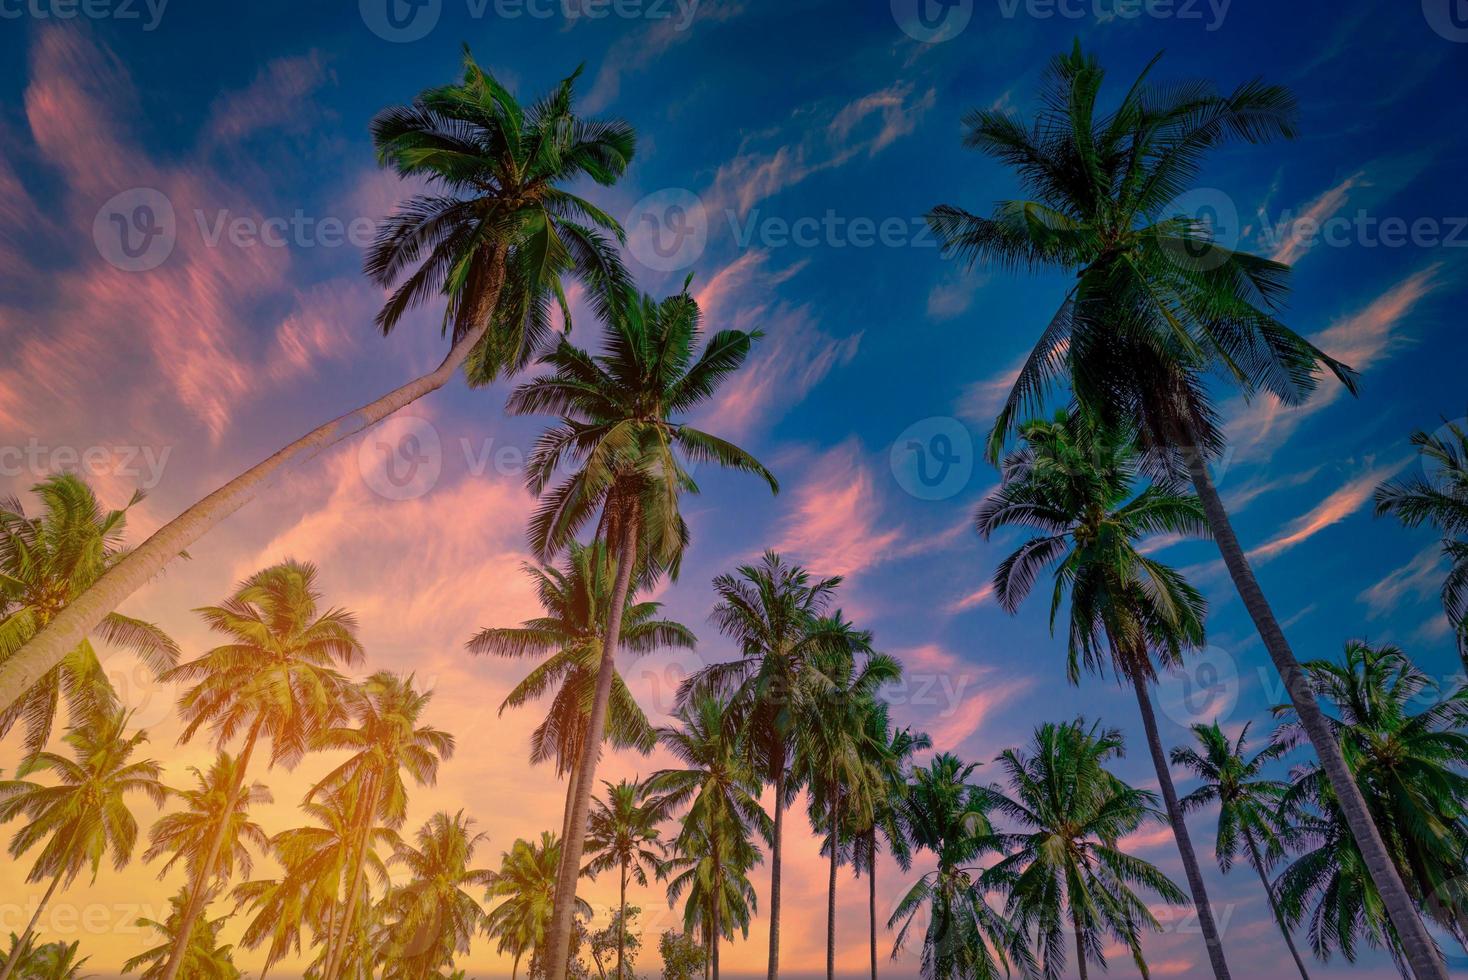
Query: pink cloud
[1332,510]
[835,523]
[1297,239]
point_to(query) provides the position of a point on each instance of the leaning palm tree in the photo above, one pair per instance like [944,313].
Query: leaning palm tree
[1156,305]
[776,613]
[623,834]
[525,886]
[84,817]
[432,917]
[495,240]
[1074,481]
[275,677]
[621,431]
[1440,499]
[1249,819]
[205,958]
[45,563]
[1064,869]
[575,601]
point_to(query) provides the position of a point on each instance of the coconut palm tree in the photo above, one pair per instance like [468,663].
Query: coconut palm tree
[1157,306]
[1249,821]
[1074,481]
[623,834]
[432,916]
[46,562]
[775,613]
[84,816]
[709,870]
[275,677]
[621,433]
[51,961]
[385,740]
[1063,861]
[575,602]
[1439,498]
[965,938]
[496,238]
[526,886]
[204,959]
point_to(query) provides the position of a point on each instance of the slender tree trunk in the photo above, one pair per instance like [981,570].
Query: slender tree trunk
[565,899]
[515,970]
[775,855]
[1080,952]
[1417,945]
[359,863]
[1284,929]
[622,927]
[714,929]
[1194,874]
[30,928]
[872,895]
[570,797]
[831,888]
[80,617]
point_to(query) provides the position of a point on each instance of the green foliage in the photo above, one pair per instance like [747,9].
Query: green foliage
[50,961]
[204,958]
[683,957]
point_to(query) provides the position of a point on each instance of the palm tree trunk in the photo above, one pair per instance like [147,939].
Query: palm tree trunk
[872,895]
[1080,953]
[30,928]
[565,900]
[515,970]
[359,864]
[81,616]
[831,887]
[570,797]
[775,855]
[1284,929]
[1194,875]
[1417,945]
[714,926]
[622,926]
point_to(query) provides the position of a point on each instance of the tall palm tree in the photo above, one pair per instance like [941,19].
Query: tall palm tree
[965,939]
[1439,499]
[1249,819]
[776,613]
[205,958]
[622,432]
[385,740]
[275,677]
[709,870]
[432,916]
[1074,481]
[495,240]
[526,886]
[1410,766]
[45,563]
[84,817]
[575,601]
[1156,307]
[1063,867]
[623,834]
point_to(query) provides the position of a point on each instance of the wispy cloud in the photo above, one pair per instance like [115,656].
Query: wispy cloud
[835,525]
[1302,230]
[1332,510]
[1418,579]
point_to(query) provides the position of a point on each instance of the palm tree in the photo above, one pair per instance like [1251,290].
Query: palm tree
[496,241]
[1442,501]
[45,563]
[776,614]
[204,958]
[1248,807]
[85,816]
[1410,767]
[526,881]
[52,961]
[619,429]
[965,938]
[623,834]
[710,866]
[1156,305]
[275,677]
[1063,862]
[385,740]
[432,916]
[1074,482]
[575,601]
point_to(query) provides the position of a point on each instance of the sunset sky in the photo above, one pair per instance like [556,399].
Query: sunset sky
[783,131]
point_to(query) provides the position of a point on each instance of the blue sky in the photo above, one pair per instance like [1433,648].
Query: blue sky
[805,140]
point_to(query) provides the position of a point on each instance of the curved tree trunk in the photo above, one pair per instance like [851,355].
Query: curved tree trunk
[1194,874]
[82,615]
[30,929]
[775,854]
[872,895]
[1417,945]
[1284,929]
[831,889]
[564,909]
[570,799]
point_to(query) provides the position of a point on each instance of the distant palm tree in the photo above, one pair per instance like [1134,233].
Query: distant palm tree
[526,884]
[274,678]
[45,563]
[620,427]
[432,916]
[1074,481]
[204,958]
[1441,500]
[575,600]
[384,740]
[51,961]
[496,242]
[1064,869]
[1157,307]
[84,817]
[623,834]
[709,872]
[1248,807]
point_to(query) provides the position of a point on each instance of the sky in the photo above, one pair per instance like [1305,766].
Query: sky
[786,154]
